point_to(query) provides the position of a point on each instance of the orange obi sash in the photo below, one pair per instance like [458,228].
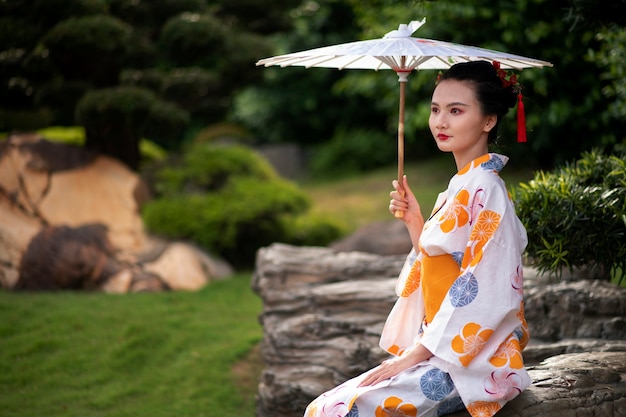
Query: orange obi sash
[438,275]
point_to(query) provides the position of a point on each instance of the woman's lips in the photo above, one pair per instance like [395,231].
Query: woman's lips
[441,136]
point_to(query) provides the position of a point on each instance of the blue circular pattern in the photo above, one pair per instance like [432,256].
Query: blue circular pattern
[450,406]
[458,257]
[436,384]
[494,164]
[354,411]
[464,290]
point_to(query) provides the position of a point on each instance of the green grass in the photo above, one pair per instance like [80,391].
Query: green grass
[165,354]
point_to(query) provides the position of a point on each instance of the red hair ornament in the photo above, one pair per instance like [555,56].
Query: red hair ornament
[510,79]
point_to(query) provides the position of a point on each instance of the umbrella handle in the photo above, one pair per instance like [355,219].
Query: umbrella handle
[400,214]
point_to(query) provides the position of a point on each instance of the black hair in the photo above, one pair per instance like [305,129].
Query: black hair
[491,95]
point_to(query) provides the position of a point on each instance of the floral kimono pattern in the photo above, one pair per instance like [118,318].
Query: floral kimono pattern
[460,295]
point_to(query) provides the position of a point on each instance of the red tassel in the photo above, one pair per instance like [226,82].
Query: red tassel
[521,120]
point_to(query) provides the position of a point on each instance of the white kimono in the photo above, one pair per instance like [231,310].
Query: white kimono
[460,295]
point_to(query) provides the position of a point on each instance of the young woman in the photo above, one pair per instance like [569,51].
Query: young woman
[457,330]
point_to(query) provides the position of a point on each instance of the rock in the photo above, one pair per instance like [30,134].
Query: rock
[14,239]
[185,267]
[323,312]
[582,309]
[573,385]
[71,220]
[102,192]
[381,238]
[62,257]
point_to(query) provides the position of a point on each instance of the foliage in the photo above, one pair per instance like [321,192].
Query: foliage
[566,109]
[167,123]
[53,52]
[68,354]
[312,230]
[115,119]
[611,55]
[297,104]
[193,39]
[576,215]
[230,201]
[353,151]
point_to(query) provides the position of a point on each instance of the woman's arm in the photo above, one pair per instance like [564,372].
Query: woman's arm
[394,366]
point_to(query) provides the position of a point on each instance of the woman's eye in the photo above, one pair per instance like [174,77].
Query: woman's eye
[455,111]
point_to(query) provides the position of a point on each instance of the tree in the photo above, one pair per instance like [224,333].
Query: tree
[193,54]
[567,111]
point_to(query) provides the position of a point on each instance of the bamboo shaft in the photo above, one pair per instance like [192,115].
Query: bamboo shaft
[400,214]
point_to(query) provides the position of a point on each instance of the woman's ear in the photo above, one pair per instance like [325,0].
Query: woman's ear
[490,122]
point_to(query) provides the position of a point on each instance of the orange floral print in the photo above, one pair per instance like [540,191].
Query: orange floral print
[457,213]
[470,341]
[508,353]
[483,408]
[476,162]
[413,280]
[484,229]
[395,407]
[486,225]
[395,350]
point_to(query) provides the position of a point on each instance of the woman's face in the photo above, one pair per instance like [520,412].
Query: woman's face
[458,123]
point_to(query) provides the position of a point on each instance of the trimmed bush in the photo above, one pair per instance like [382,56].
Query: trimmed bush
[115,120]
[576,216]
[196,90]
[90,48]
[204,168]
[166,125]
[230,201]
[152,79]
[193,39]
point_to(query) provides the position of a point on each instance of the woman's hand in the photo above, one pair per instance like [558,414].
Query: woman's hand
[403,199]
[394,366]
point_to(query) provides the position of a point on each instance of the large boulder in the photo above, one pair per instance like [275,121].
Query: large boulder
[323,312]
[71,220]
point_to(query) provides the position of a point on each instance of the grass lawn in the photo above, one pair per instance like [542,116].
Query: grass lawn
[167,354]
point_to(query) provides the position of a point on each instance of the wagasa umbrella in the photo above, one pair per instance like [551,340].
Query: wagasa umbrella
[402,53]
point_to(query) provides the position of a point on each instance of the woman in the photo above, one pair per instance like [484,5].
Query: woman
[457,329]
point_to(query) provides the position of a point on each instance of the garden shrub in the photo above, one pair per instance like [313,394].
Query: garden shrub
[152,79]
[230,201]
[191,39]
[115,120]
[312,229]
[167,123]
[195,89]
[576,216]
[76,43]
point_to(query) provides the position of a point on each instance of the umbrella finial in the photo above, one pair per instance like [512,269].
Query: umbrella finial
[405,31]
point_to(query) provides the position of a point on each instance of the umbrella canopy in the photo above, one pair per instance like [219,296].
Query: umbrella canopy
[402,53]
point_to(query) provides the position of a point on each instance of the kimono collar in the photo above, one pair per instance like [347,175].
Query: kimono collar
[488,162]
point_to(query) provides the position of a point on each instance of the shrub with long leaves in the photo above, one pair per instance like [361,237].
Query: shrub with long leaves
[576,216]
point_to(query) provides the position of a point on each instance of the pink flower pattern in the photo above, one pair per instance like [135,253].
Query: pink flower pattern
[503,384]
